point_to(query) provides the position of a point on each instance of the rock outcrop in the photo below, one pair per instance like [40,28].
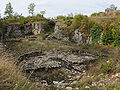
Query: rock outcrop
[37,28]
[59,28]
[73,35]
[55,59]
[17,30]
[55,65]
[80,38]
[58,33]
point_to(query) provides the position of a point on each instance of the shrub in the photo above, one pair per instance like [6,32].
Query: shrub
[116,38]
[107,67]
[107,38]
[60,17]
[111,37]
[78,20]
[95,32]
[95,14]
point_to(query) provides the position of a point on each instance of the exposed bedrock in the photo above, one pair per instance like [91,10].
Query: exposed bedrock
[56,59]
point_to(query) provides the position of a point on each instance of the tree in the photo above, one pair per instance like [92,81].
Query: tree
[112,6]
[42,12]
[9,10]
[31,8]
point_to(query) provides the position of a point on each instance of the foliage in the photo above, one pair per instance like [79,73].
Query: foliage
[31,8]
[78,19]
[116,36]
[95,14]
[118,19]
[9,10]
[42,13]
[107,67]
[95,33]
[112,6]
[107,38]
[65,19]
[60,17]
[111,37]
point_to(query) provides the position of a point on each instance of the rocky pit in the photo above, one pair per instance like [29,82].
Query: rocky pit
[55,66]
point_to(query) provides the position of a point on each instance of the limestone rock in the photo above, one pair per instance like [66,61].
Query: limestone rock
[58,33]
[54,59]
[81,38]
[37,28]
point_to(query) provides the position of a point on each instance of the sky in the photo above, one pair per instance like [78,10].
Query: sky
[59,7]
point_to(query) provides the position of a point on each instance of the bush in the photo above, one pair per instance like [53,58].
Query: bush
[95,32]
[111,37]
[78,20]
[107,38]
[95,14]
[107,67]
[60,17]
[116,38]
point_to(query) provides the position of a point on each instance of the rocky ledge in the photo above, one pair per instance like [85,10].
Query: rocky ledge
[55,65]
[46,60]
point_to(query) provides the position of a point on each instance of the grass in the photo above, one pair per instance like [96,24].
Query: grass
[11,78]
[26,46]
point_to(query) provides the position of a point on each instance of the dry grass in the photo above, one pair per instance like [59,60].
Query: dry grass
[11,78]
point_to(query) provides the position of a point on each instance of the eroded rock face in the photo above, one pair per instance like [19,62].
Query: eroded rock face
[55,65]
[55,59]
[17,30]
[59,26]
[80,38]
[37,28]
[58,32]
[71,35]
[14,30]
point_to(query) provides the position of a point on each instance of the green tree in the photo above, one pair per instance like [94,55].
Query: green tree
[43,13]
[9,10]
[31,8]
[112,6]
